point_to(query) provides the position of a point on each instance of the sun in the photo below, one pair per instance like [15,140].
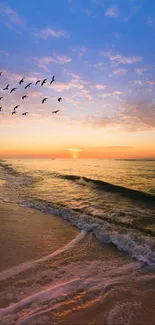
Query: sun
[74,156]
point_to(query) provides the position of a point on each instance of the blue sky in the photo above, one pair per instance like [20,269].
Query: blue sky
[102,54]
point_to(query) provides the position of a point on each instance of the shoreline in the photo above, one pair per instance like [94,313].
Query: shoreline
[27,234]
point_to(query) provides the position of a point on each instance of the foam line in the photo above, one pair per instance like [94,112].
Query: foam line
[6,274]
[49,293]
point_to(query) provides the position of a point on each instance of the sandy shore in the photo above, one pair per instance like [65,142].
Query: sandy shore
[88,283]
[27,234]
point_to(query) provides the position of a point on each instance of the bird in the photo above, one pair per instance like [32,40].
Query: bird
[16,107]
[44,100]
[14,112]
[55,111]
[37,82]
[13,89]
[43,82]
[21,81]
[28,85]
[25,96]
[25,113]
[52,80]
[0,73]
[0,108]
[7,87]
[59,99]
[1,98]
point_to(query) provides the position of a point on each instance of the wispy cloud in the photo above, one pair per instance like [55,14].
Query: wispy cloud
[121,59]
[112,11]
[120,72]
[100,87]
[135,117]
[96,65]
[11,18]
[140,71]
[4,53]
[114,93]
[49,32]
[43,62]
[138,82]
[151,83]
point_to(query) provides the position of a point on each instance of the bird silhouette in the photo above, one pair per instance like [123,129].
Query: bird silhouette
[52,80]
[28,85]
[16,107]
[44,100]
[37,82]
[55,111]
[43,82]
[13,89]
[0,108]
[14,112]
[21,81]
[25,96]
[1,97]
[25,113]
[59,99]
[7,87]
[0,73]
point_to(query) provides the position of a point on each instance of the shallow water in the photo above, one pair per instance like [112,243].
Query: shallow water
[82,280]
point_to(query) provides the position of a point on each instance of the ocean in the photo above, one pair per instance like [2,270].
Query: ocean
[97,265]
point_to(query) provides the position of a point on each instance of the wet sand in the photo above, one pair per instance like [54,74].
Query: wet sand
[27,234]
[87,283]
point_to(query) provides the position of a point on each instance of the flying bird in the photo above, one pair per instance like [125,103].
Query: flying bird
[59,99]
[28,85]
[13,89]
[21,81]
[0,73]
[0,108]
[25,96]
[14,112]
[43,82]
[52,80]
[1,98]
[55,111]
[25,113]
[37,82]
[16,107]
[7,87]
[44,100]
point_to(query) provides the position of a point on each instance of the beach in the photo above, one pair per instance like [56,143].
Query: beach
[60,270]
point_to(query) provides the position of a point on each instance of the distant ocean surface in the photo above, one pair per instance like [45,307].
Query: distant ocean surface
[111,262]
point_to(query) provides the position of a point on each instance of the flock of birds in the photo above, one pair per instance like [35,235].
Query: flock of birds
[41,82]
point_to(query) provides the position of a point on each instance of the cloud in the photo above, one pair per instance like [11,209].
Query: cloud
[138,82]
[100,87]
[11,18]
[47,32]
[114,93]
[112,12]
[4,53]
[140,71]
[96,65]
[139,116]
[43,62]
[151,83]
[120,59]
[120,72]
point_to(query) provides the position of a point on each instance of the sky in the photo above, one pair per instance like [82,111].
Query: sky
[101,53]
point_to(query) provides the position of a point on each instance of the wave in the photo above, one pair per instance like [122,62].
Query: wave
[108,187]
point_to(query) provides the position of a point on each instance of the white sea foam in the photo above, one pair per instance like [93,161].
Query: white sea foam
[28,265]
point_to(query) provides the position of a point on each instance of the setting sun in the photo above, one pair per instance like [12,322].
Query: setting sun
[74,156]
